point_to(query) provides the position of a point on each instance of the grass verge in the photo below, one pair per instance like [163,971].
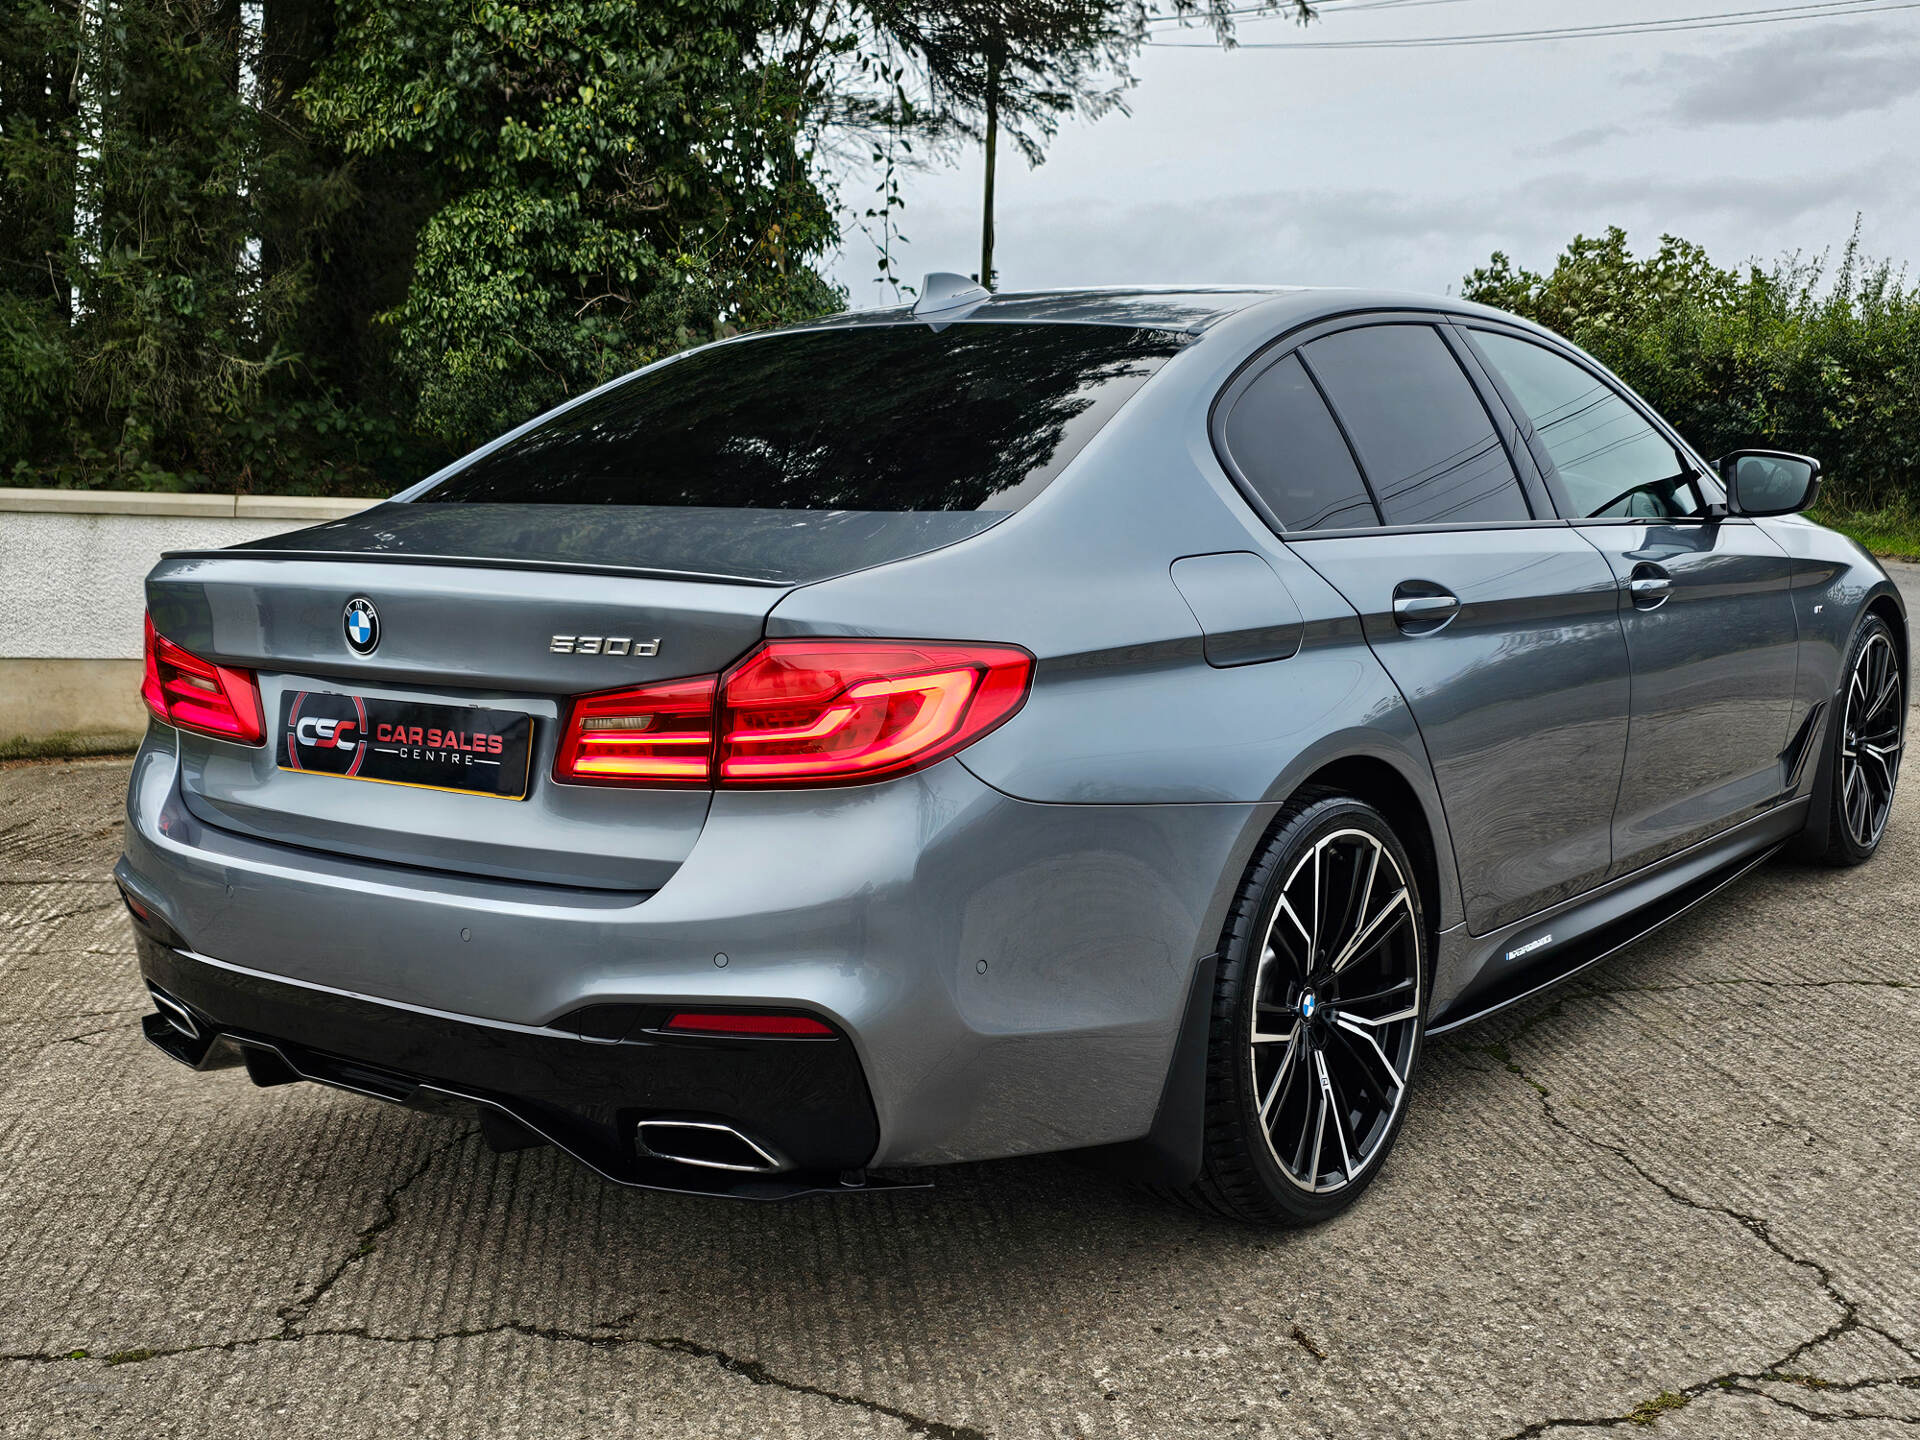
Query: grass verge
[1892,533]
[69,745]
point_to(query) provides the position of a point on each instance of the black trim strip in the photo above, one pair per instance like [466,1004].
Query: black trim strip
[1353,532]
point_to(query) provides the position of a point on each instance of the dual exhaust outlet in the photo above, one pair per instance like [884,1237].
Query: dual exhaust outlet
[706,1144]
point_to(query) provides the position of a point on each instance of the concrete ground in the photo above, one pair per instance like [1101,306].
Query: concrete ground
[1679,1199]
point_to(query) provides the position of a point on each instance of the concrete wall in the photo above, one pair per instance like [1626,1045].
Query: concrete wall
[72,564]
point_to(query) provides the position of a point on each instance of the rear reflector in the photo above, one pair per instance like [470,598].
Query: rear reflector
[798,712]
[704,1023]
[189,693]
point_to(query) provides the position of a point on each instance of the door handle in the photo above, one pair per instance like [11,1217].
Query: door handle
[1420,607]
[1649,586]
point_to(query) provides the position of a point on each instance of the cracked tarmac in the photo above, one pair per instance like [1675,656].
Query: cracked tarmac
[1676,1199]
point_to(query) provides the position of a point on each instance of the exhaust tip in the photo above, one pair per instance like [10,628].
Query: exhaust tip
[709,1144]
[175,1014]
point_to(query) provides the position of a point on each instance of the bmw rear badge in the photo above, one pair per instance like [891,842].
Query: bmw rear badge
[362,624]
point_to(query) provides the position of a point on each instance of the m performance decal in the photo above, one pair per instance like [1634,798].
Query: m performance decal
[1529,947]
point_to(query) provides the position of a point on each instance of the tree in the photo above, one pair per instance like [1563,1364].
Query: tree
[323,244]
[1021,66]
[39,122]
[150,180]
[616,181]
[39,136]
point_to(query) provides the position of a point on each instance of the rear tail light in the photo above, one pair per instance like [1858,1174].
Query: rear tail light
[799,712]
[189,693]
[813,711]
[649,736]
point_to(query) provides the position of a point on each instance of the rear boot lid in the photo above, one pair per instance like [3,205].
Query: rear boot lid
[453,635]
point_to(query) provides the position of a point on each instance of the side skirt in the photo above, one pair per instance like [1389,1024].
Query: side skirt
[1541,952]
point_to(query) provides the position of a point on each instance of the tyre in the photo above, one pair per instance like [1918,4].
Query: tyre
[1866,736]
[1319,1009]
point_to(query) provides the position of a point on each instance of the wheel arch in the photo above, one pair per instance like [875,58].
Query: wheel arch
[1886,604]
[1379,784]
[1170,1154]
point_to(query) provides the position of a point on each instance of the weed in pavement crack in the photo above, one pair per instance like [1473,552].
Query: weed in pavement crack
[1743,1382]
[756,1372]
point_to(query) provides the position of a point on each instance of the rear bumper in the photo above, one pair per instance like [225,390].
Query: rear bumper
[1008,977]
[802,1103]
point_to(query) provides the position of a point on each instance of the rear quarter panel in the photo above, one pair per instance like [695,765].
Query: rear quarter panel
[1125,708]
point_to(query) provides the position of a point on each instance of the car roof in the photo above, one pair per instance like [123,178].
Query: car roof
[1176,307]
[1192,308]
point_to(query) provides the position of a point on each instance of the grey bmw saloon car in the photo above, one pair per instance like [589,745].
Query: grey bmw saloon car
[1125,721]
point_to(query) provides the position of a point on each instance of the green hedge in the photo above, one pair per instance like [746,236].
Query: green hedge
[1806,355]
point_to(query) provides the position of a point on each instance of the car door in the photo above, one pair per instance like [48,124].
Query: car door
[1375,456]
[1707,605]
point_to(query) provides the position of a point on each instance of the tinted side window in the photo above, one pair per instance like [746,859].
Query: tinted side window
[1611,461]
[1425,440]
[1286,444]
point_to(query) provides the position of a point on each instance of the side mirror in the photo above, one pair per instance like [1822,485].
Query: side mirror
[1769,482]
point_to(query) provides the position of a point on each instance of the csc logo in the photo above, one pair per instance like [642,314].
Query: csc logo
[324,743]
[325,734]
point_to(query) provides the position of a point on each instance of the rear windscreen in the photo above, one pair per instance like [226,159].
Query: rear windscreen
[875,417]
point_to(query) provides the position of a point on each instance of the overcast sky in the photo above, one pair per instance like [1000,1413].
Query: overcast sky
[1406,168]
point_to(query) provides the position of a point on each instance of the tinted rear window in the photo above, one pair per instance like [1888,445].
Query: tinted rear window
[1425,440]
[1286,444]
[895,417]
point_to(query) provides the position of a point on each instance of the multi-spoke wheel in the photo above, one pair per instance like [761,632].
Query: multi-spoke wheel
[1336,1010]
[1318,1015]
[1870,740]
[1869,732]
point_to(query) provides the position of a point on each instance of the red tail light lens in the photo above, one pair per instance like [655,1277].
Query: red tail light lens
[189,693]
[653,735]
[795,1026]
[800,712]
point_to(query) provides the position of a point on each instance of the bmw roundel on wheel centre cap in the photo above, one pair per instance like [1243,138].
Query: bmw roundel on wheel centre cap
[362,623]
